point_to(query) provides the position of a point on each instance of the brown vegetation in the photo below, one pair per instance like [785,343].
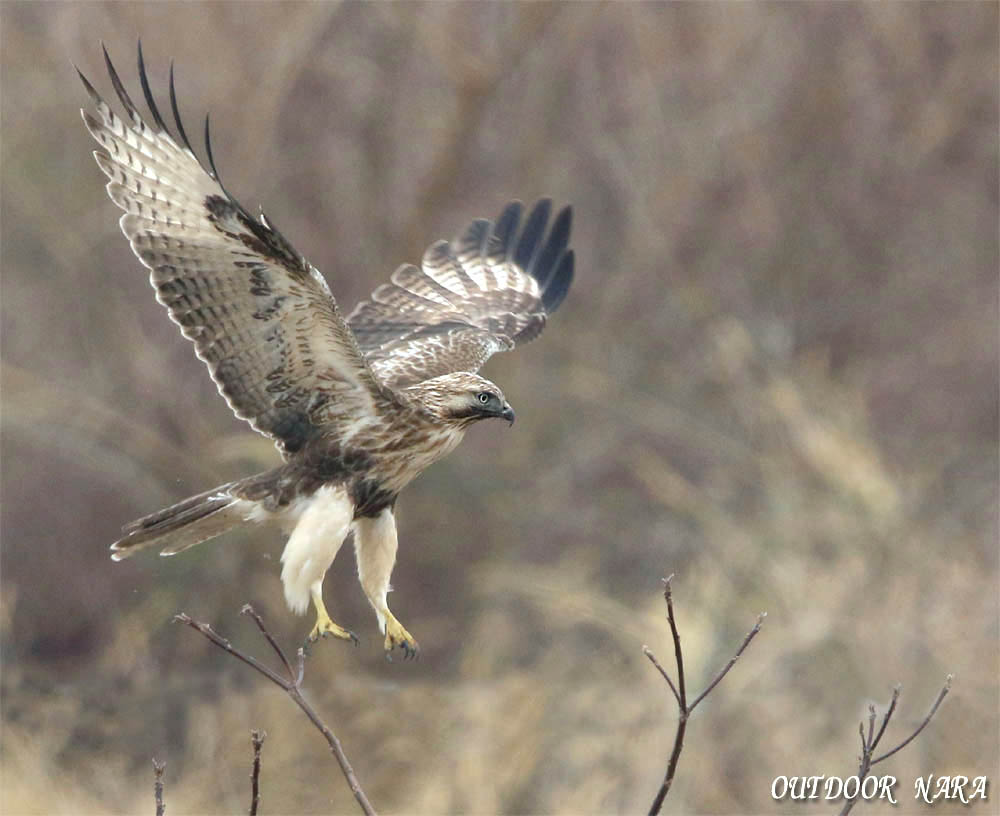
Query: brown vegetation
[776,376]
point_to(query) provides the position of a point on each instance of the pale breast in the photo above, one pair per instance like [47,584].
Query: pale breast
[423,447]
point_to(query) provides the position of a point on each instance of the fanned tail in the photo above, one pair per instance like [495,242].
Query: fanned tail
[182,525]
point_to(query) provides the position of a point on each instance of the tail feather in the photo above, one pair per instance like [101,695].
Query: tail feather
[182,525]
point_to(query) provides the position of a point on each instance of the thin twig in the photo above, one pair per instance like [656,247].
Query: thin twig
[257,738]
[888,715]
[249,610]
[940,698]
[680,690]
[868,746]
[871,725]
[292,687]
[158,786]
[681,695]
[652,658]
[732,661]
[224,644]
[678,656]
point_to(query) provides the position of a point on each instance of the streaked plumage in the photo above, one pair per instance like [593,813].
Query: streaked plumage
[357,407]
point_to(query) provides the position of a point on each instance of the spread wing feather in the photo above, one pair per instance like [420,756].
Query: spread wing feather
[261,317]
[491,288]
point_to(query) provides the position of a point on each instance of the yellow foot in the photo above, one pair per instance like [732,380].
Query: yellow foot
[397,636]
[325,628]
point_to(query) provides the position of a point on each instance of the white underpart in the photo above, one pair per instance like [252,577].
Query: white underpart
[375,546]
[323,524]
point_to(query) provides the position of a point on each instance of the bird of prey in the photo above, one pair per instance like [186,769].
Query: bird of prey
[357,406]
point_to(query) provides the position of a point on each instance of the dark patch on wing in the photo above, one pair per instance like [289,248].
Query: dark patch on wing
[261,239]
[294,429]
[260,316]
[493,287]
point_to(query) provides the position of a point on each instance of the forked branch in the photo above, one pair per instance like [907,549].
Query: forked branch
[870,741]
[680,689]
[292,686]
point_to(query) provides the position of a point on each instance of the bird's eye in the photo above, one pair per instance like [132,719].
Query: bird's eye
[484,397]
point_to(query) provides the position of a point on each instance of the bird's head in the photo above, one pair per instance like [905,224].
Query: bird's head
[461,398]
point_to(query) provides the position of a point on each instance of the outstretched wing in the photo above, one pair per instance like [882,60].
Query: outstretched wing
[491,288]
[260,315]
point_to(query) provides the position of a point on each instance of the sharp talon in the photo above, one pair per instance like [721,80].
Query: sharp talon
[325,627]
[396,637]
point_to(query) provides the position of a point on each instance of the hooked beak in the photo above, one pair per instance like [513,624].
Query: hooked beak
[507,413]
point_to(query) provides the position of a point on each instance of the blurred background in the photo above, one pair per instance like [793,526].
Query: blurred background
[775,376]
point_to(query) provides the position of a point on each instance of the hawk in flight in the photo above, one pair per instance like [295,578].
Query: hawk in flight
[357,406]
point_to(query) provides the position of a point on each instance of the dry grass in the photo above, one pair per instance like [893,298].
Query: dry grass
[776,377]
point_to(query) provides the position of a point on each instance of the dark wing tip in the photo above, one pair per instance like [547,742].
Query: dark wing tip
[567,213]
[118,86]
[176,111]
[548,258]
[208,150]
[531,235]
[506,223]
[146,92]
[499,241]
[94,95]
[559,284]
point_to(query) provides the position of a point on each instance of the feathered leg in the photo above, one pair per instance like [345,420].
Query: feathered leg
[311,548]
[375,545]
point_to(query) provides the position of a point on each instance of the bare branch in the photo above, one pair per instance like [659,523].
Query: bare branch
[887,716]
[652,658]
[681,695]
[257,738]
[224,644]
[868,746]
[680,691]
[732,661]
[249,610]
[871,726]
[940,698]
[678,656]
[292,688]
[675,756]
[158,786]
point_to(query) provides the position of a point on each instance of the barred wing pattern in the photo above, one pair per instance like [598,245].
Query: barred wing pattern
[261,317]
[493,287]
